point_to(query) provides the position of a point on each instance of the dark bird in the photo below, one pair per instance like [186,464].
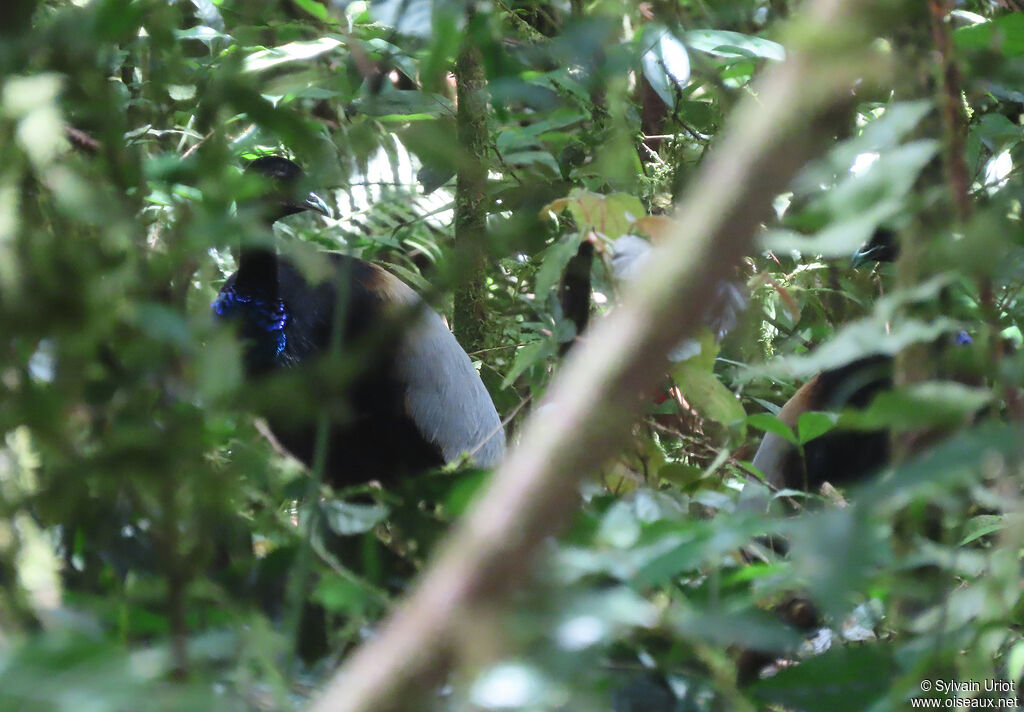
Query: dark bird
[839,457]
[417,402]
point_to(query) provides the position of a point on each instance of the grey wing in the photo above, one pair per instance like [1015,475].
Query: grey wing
[770,458]
[445,396]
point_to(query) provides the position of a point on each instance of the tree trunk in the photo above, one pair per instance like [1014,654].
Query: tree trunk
[471,196]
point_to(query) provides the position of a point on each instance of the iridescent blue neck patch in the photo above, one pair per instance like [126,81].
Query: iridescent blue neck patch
[260,317]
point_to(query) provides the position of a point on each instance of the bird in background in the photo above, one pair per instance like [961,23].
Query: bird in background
[415,401]
[840,457]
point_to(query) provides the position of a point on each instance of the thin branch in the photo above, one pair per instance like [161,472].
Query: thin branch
[81,140]
[953,119]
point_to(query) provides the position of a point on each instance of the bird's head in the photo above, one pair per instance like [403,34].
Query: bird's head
[287,196]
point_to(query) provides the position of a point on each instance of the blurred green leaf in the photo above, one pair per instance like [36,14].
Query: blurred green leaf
[844,678]
[291,52]
[348,518]
[933,403]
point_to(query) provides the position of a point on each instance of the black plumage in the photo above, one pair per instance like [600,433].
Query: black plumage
[415,404]
[839,457]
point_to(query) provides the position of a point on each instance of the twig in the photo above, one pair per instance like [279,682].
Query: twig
[81,140]
[195,146]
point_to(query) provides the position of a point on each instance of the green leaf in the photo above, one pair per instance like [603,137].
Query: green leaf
[925,404]
[342,595]
[706,393]
[848,539]
[752,628]
[859,204]
[315,9]
[680,475]
[405,105]
[1015,662]
[291,52]
[208,14]
[516,137]
[947,464]
[814,424]
[163,323]
[844,679]
[982,525]
[527,356]
[665,63]
[464,491]
[770,424]
[723,43]
[879,135]
[996,131]
[532,158]
[699,114]
[619,527]
[409,17]
[611,215]
[1005,34]
[88,666]
[553,263]
[876,334]
[689,543]
[889,178]
[203,33]
[430,141]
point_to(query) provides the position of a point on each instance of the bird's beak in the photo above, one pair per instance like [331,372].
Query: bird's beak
[858,258]
[863,255]
[315,203]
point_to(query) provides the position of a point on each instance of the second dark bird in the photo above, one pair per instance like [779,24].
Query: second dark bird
[839,457]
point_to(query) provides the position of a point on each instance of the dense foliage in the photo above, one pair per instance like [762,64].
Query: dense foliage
[157,551]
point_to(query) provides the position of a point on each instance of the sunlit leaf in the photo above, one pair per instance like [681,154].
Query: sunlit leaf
[665,63]
[291,52]
[725,43]
[611,215]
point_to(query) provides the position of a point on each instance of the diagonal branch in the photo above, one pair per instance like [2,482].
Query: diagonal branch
[768,139]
